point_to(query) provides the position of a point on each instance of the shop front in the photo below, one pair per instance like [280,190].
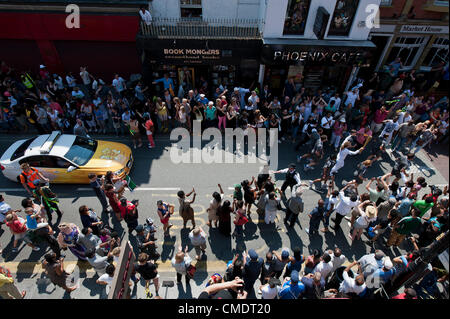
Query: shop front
[192,63]
[314,63]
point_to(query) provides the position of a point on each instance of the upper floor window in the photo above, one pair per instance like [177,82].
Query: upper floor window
[191,8]
[296,15]
[343,16]
[385,3]
[438,53]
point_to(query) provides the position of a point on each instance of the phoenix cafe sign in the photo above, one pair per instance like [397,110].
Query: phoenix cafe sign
[318,56]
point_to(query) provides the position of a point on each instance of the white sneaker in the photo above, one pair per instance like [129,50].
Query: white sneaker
[348,218]
[36,249]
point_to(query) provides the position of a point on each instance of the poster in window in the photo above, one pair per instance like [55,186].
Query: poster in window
[296,15]
[343,16]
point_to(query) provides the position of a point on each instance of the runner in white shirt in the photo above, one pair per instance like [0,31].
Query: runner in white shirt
[341,157]
[345,205]
[85,76]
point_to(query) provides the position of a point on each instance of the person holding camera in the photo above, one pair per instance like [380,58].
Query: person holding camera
[225,290]
[146,242]
[165,210]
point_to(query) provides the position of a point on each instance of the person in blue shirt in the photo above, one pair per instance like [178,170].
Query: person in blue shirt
[252,269]
[167,82]
[292,287]
[405,204]
[203,100]
[296,262]
[383,275]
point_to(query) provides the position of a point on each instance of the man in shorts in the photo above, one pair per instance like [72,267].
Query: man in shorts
[331,161]
[147,268]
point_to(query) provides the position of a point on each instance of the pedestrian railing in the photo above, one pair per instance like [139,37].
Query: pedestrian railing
[200,28]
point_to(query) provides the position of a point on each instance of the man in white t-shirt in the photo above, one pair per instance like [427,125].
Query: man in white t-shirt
[85,76]
[345,206]
[352,96]
[107,278]
[325,265]
[352,285]
[145,15]
[337,259]
[119,83]
[270,290]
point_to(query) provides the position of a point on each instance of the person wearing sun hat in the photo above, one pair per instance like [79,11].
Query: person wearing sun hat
[368,215]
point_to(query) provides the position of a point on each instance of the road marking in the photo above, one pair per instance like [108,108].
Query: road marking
[84,266]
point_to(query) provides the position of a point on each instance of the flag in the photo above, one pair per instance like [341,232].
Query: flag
[130,183]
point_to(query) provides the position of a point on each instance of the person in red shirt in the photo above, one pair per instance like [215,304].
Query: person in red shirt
[149,127]
[43,72]
[19,229]
[128,211]
[377,123]
[408,294]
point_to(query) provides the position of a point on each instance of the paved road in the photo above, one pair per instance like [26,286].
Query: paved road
[158,178]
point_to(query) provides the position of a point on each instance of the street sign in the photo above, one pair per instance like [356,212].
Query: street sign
[120,285]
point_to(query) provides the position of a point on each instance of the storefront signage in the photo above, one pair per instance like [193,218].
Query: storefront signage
[424,29]
[192,55]
[317,56]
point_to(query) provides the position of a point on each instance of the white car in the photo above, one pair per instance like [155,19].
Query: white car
[66,158]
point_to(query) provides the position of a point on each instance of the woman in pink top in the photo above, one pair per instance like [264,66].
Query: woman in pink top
[338,129]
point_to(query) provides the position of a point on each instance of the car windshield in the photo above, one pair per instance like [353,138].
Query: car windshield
[20,151]
[82,150]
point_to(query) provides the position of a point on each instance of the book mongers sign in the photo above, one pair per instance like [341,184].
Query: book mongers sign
[191,55]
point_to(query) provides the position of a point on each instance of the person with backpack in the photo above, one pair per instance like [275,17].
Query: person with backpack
[129,212]
[28,176]
[48,199]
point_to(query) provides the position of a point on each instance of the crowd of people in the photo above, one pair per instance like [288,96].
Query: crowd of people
[324,128]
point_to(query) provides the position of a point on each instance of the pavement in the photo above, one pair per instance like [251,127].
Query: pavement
[158,178]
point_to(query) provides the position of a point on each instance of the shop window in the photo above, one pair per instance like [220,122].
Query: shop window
[343,16]
[438,53]
[408,49]
[296,16]
[191,8]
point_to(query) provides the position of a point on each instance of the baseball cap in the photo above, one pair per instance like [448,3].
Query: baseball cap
[42,66]
[149,221]
[342,120]
[284,254]
[387,263]
[253,254]
[379,255]
[292,165]
[139,228]
[237,185]
[160,202]
[294,276]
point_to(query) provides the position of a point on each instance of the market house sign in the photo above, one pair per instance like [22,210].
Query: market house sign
[317,56]
[192,55]
[423,29]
